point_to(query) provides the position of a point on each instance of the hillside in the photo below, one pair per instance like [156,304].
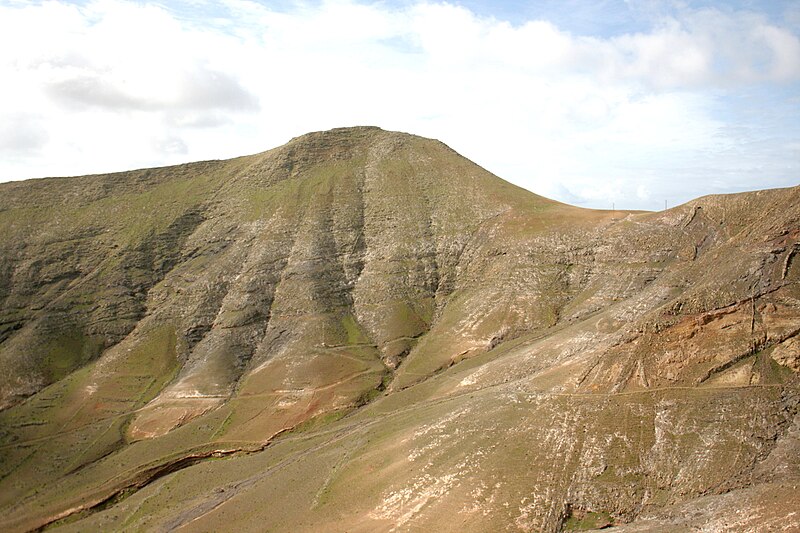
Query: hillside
[363,331]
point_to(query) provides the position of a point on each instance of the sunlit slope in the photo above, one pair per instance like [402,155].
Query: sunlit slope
[397,336]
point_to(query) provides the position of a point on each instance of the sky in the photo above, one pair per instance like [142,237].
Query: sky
[597,103]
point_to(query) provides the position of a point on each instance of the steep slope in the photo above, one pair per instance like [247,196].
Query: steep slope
[398,336]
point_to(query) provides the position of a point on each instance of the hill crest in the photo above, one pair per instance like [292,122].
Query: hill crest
[394,328]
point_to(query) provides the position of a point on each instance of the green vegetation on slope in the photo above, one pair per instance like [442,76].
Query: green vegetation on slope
[371,333]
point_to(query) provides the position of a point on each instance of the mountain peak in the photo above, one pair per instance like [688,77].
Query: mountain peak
[342,134]
[392,332]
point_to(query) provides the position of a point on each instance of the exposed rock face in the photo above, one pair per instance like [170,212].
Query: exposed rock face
[514,362]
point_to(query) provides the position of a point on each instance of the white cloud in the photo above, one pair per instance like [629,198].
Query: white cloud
[630,119]
[21,135]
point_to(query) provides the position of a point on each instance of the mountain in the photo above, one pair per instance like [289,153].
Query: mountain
[363,331]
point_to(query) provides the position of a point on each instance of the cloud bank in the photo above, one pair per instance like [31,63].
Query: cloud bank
[690,101]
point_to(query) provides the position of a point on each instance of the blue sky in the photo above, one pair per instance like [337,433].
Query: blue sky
[590,102]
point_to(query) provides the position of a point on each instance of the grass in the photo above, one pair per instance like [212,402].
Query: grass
[319,421]
[68,352]
[354,333]
[291,195]
[583,521]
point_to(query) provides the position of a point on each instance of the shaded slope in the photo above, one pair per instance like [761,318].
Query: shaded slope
[544,367]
